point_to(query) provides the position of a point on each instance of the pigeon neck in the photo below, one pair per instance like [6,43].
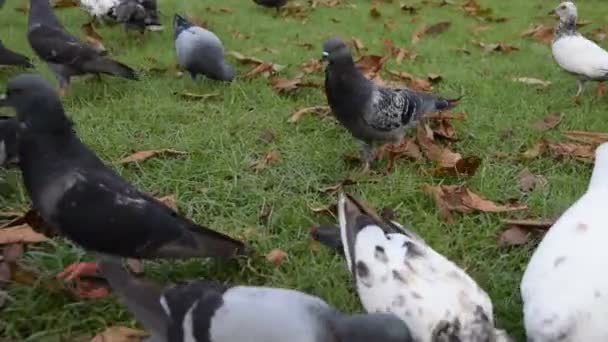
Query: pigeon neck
[41,12]
[566,27]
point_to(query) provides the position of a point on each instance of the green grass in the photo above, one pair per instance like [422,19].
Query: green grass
[215,186]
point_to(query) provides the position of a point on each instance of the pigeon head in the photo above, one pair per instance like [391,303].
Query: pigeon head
[566,10]
[335,50]
[36,102]
[372,327]
[179,24]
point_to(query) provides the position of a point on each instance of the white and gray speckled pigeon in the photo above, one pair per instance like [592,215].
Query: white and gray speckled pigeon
[134,14]
[574,53]
[78,195]
[395,271]
[8,140]
[372,114]
[63,52]
[207,311]
[564,288]
[200,51]
[8,57]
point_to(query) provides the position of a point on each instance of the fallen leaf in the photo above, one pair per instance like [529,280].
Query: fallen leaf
[514,236]
[141,156]
[444,129]
[436,28]
[458,198]
[260,67]
[496,47]
[587,137]
[370,65]
[463,167]
[357,44]
[527,181]
[169,201]
[550,121]
[409,9]
[276,257]
[539,148]
[433,152]
[284,85]
[321,111]
[266,136]
[20,234]
[407,148]
[264,162]
[120,334]
[532,81]
[414,83]
[374,12]
[65,3]
[135,265]
[473,9]
[480,28]
[584,153]
[192,96]
[311,66]
[541,33]
[398,53]
[92,37]
[530,224]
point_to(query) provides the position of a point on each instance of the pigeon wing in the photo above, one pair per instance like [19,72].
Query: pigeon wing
[391,109]
[57,46]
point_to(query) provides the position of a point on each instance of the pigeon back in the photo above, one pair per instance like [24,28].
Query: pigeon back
[578,55]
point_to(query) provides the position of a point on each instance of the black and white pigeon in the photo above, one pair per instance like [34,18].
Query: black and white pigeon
[77,194]
[564,288]
[137,14]
[200,51]
[8,140]
[8,57]
[63,52]
[574,53]
[206,311]
[373,114]
[277,4]
[395,271]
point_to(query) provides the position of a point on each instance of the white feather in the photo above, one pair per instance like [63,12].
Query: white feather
[98,8]
[565,286]
[578,55]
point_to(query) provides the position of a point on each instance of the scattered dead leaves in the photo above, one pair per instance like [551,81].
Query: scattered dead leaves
[548,122]
[276,257]
[285,85]
[370,65]
[321,111]
[259,67]
[473,9]
[92,37]
[266,136]
[496,47]
[311,66]
[433,29]
[406,149]
[434,152]
[527,181]
[120,334]
[357,44]
[541,33]
[450,198]
[412,82]
[141,156]
[582,152]
[195,97]
[264,162]
[519,232]
[532,81]
[398,53]
[594,138]
[325,3]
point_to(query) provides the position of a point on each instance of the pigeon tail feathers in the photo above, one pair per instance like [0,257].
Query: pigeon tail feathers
[111,67]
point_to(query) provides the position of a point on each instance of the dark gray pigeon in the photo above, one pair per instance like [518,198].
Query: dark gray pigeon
[271,3]
[63,52]
[200,51]
[372,114]
[8,140]
[78,195]
[136,14]
[8,57]
[211,312]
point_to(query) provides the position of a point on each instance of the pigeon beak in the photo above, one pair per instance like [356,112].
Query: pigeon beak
[324,56]
[3,100]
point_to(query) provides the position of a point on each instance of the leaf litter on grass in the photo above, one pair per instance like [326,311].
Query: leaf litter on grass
[520,231]
[141,156]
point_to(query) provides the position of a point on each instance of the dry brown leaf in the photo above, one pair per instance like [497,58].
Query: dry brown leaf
[532,81]
[326,3]
[65,3]
[20,234]
[264,162]
[374,12]
[599,34]
[433,152]
[398,53]
[266,136]
[584,153]
[284,85]
[527,181]
[141,156]
[541,33]
[548,122]
[514,236]
[436,28]
[414,83]
[197,97]
[321,111]
[530,224]
[370,65]
[358,45]
[92,37]
[473,9]
[587,137]
[463,167]
[407,148]
[311,66]
[444,129]
[120,334]
[539,148]
[496,47]
[276,257]
[245,59]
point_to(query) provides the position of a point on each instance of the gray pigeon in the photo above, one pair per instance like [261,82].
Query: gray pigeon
[63,52]
[78,195]
[8,140]
[211,312]
[372,114]
[8,57]
[136,14]
[200,51]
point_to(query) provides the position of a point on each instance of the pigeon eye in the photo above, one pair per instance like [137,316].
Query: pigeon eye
[563,7]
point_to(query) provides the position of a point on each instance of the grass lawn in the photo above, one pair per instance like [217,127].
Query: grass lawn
[215,185]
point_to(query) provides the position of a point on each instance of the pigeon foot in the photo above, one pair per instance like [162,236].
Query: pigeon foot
[85,289]
[76,270]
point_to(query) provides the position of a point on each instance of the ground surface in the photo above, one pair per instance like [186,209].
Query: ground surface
[215,185]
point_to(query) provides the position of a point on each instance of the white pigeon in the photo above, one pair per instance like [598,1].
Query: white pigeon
[565,287]
[396,272]
[99,9]
[574,53]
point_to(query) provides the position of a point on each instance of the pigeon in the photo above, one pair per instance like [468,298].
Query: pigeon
[564,288]
[8,57]
[277,4]
[370,112]
[78,195]
[8,140]
[63,52]
[212,312]
[574,53]
[200,51]
[137,14]
[395,271]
